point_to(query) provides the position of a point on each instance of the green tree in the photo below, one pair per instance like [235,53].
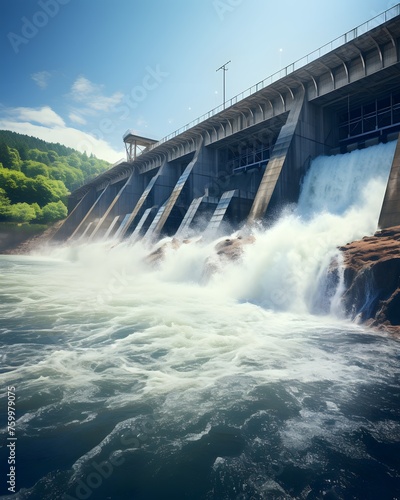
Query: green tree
[41,156]
[20,188]
[53,211]
[52,156]
[74,160]
[41,190]
[34,168]
[72,177]
[15,159]
[5,156]
[23,151]
[57,188]
[13,183]
[38,210]
[9,157]
[4,204]
[39,173]
[21,212]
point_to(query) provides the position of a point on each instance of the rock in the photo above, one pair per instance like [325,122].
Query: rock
[158,254]
[229,249]
[232,249]
[372,279]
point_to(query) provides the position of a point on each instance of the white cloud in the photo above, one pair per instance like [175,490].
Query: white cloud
[91,95]
[44,116]
[83,87]
[41,78]
[75,118]
[51,127]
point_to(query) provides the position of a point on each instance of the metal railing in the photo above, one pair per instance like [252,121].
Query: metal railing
[312,56]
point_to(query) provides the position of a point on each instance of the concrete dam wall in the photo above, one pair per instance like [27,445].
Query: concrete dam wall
[245,161]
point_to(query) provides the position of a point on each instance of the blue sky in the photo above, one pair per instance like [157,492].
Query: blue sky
[82,72]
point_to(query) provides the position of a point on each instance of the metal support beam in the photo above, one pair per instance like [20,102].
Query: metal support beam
[379,49]
[331,73]
[315,83]
[361,57]
[346,69]
[393,42]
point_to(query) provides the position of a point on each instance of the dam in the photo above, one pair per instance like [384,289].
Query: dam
[245,160]
[212,375]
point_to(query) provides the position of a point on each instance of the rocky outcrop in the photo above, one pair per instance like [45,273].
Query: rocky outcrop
[157,255]
[229,249]
[232,248]
[372,279]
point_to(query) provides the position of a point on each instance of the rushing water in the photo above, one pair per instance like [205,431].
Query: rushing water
[140,382]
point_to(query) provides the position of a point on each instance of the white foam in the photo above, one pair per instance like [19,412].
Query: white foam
[128,330]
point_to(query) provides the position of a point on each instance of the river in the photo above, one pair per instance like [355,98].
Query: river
[147,382]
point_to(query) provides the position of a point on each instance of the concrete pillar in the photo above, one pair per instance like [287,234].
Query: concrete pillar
[107,217]
[111,227]
[220,211]
[114,207]
[142,223]
[203,174]
[189,216]
[164,212]
[155,193]
[89,215]
[299,140]
[390,213]
[76,216]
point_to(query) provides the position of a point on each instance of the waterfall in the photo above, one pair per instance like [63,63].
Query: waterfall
[286,266]
[336,183]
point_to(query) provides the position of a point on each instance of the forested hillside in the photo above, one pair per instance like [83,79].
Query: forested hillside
[36,177]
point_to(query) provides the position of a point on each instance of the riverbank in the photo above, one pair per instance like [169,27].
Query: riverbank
[372,280]
[20,239]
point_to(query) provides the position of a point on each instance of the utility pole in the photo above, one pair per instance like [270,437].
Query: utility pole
[224,69]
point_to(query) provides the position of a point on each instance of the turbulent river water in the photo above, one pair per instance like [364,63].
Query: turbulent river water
[142,382]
